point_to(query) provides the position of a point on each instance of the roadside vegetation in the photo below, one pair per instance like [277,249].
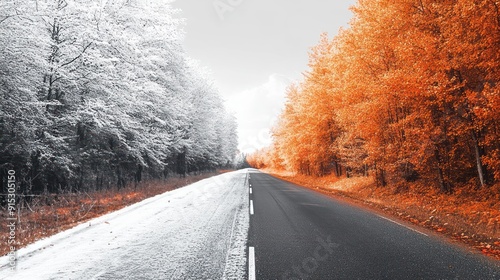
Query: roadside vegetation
[100,94]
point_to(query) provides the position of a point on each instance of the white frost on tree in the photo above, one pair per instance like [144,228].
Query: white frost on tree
[100,93]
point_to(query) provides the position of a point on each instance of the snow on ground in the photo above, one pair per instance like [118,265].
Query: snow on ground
[196,232]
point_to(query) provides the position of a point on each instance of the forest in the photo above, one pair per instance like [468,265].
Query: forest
[408,93]
[100,94]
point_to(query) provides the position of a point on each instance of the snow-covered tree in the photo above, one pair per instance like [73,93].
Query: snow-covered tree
[99,93]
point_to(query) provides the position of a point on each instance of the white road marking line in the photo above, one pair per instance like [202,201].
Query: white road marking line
[251,207]
[250,190]
[251,263]
[402,225]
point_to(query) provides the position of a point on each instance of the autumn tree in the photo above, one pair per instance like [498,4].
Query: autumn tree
[407,93]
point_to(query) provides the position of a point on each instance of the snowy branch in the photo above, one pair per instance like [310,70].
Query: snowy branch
[77,57]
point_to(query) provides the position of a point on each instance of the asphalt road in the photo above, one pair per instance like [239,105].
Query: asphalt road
[301,234]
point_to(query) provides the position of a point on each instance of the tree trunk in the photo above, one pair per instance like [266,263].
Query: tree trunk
[443,185]
[479,163]
[336,168]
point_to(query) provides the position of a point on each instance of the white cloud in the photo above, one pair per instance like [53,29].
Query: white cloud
[257,110]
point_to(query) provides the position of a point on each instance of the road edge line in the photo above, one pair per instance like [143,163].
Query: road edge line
[412,229]
[251,263]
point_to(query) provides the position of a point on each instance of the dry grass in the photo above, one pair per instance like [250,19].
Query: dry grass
[47,215]
[469,216]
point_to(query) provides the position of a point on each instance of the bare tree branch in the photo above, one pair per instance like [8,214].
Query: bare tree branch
[77,57]
[9,16]
[6,18]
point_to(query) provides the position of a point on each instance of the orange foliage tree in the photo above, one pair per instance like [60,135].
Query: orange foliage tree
[409,92]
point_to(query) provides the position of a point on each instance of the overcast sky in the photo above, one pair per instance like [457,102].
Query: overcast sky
[255,49]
